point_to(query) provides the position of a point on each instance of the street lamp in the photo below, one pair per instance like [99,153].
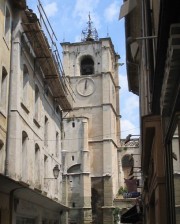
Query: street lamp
[55,172]
[134,46]
[128,138]
[131,39]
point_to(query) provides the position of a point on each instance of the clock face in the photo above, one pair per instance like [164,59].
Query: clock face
[85,86]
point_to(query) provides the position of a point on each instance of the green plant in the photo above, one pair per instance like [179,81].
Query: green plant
[122,190]
[116,214]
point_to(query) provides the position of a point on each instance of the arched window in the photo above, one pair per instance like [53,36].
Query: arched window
[87,66]
[127,161]
[37,103]
[25,85]
[24,167]
[3,90]
[37,164]
[74,169]
[57,144]
[127,165]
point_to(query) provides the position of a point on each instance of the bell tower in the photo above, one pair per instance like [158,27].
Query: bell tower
[92,128]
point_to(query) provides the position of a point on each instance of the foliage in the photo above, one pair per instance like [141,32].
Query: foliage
[122,190]
[116,214]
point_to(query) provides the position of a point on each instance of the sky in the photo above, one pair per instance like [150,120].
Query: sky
[69,17]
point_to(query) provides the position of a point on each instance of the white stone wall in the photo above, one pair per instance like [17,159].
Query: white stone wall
[5,50]
[24,119]
[176,151]
[100,51]
[100,109]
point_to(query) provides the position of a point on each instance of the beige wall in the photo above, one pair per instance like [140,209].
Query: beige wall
[99,109]
[5,51]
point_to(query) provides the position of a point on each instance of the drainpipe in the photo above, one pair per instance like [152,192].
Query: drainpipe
[6,165]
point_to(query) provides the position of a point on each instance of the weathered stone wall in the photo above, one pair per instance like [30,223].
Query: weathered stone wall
[99,106]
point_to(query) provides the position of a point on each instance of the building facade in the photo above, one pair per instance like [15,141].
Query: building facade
[153,66]
[129,160]
[33,95]
[91,130]
[59,129]
[128,201]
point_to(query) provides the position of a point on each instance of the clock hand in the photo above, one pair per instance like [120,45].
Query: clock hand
[85,86]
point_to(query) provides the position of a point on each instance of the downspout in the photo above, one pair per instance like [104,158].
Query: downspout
[6,165]
[141,113]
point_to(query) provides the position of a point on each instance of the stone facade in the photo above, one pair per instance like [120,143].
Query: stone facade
[31,120]
[132,151]
[152,51]
[5,60]
[48,121]
[91,130]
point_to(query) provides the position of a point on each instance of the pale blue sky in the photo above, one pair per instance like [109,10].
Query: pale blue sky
[69,17]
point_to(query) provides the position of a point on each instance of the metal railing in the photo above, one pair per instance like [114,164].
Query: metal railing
[52,40]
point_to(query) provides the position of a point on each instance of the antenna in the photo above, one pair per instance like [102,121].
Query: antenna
[90,33]
[107,31]
[63,37]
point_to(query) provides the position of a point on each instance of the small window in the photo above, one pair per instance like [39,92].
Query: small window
[73,124]
[127,161]
[127,165]
[25,85]
[7,29]
[37,102]
[24,155]
[87,66]
[45,166]
[37,164]
[57,144]
[72,158]
[46,131]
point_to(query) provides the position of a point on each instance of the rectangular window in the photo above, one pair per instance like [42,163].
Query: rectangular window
[24,167]
[45,171]
[46,131]
[57,144]
[25,85]
[37,165]
[45,165]
[7,28]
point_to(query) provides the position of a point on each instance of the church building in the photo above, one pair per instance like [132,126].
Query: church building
[91,131]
